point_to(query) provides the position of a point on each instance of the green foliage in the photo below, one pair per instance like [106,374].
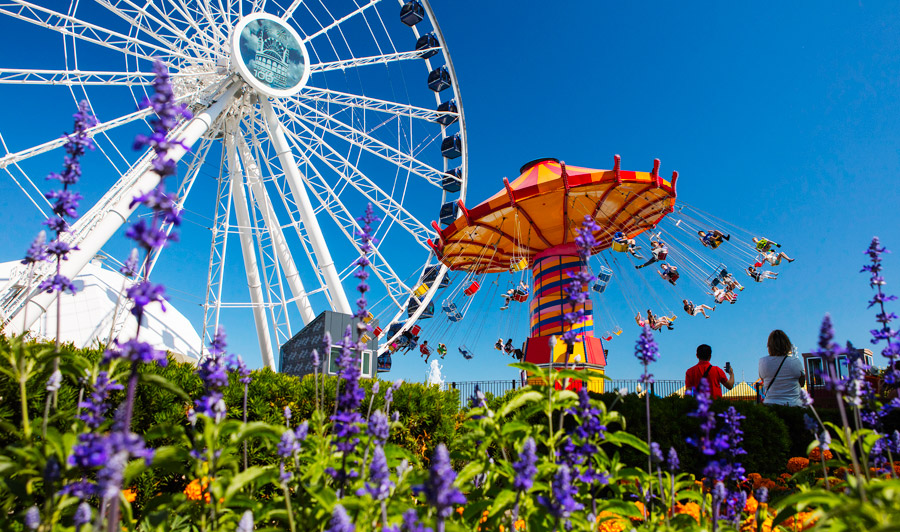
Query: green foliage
[198,479]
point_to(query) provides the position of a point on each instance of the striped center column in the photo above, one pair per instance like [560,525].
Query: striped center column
[550,304]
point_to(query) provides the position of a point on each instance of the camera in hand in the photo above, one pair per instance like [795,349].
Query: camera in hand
[727,367]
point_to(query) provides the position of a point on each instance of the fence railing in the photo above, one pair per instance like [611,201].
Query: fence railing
[660,388]
[496,388]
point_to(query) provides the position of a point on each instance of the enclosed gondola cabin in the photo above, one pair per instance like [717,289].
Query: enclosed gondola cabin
[451,147]
[412,13]
[431,274]
[449,212]
[453,181]
[428,45]
[439,79]
[451,111]
[413,306]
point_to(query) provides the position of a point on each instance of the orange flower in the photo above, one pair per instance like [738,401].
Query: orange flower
[797,463]
[641,509]
[751,505]
[800,521]
[195,491]
[816,455]
[129,494]
[692,509]
[611,522]
[520,525]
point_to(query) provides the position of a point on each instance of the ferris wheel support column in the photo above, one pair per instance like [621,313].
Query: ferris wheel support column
[291,275]
[242,213]
[339,300]
[91,239]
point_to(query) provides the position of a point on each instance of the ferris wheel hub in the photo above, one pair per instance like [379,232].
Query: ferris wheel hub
[269,55]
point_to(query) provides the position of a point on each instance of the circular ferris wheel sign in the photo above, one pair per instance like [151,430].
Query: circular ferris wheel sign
[269,55]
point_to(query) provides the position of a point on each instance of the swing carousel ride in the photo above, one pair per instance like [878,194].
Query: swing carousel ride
[655,250]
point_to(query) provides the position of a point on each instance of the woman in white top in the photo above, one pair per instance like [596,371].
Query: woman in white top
[782,374]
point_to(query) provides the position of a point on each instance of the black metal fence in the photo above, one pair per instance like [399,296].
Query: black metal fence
[660,388]
[496,388]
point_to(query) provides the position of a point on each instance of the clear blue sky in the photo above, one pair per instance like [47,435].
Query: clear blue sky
[781,119]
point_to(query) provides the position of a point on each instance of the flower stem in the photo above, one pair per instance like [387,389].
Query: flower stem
[287,503]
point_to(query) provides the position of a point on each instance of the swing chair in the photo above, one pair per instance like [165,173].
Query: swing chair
[465,352]
[472,288]
[603,277]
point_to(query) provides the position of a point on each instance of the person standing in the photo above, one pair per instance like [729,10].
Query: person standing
[705,370]
[781,373]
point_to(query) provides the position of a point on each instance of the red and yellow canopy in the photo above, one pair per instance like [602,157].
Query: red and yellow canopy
[545,205]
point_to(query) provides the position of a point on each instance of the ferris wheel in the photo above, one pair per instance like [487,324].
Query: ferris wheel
[304,112]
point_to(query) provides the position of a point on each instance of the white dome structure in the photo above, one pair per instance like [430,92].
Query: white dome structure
[87,317]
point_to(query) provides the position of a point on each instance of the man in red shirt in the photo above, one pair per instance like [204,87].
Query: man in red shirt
[713,374]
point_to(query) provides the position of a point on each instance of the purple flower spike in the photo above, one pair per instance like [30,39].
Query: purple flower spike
[379,427]
[439,490]
[379,485]
[130,268]
[673,463]
[562,505]
[32,518]
[340,521]
[526,467]
[82,516]
[37,251]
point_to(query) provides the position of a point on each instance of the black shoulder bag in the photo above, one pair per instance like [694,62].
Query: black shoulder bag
[776,375]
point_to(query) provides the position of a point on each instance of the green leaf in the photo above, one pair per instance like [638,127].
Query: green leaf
[620,507]
[529,367]
[502,501]
[256,429]
[518,401]
[622,437]
[515,426]
[242,479]
[161,382]
[469,472]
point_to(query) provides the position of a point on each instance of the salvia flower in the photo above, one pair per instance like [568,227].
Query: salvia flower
[526,466]
[93,409]
[37,251]
[379,484]
[379,427]
[562,504]
[246,522]
[672,460]
[656,455]
[33,518]
[54,382]
[439,490]
[82,516]
[340,521]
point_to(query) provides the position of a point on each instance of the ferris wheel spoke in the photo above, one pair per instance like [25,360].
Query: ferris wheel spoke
[193,14]
[330,202]
[73,27]
[69,78]
[358,138]
[138,17]
[187,184]
[341,20]
[12,158]
[357,62]
[332,97]
[350,174]
[289,12]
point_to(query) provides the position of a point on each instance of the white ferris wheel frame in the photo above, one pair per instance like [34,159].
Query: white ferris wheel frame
[191,35]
